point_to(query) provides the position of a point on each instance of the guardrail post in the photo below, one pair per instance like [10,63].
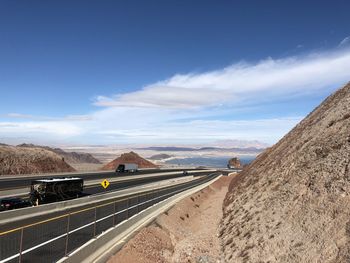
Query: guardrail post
[127,208]
[138,203]
[114,211]
[21,247]
[95,221]
[67,237]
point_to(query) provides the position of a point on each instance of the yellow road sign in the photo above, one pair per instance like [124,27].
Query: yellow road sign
[105,183]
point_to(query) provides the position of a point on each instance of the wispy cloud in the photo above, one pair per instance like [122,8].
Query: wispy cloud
[46,118]
[241,82]
[345,42]
[49,128]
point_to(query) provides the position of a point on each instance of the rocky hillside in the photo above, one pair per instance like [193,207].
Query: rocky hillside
[69,157]
[130,157]
[20,160]
[292,204]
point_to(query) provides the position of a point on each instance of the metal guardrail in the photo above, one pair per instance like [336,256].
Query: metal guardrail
[54,238]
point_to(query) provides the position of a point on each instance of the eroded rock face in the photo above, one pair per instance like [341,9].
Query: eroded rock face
[234,163]
[292,204]
[130,157]
[18,160]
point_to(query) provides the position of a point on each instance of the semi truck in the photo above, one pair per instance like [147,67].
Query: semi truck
[127,167]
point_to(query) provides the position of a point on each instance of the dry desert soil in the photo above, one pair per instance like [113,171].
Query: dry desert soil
[188,232]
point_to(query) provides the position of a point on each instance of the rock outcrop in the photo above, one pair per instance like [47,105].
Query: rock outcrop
[292,204]
[130,157]
[234,163]
[20,160]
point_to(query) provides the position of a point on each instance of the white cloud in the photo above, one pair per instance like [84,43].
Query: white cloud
[45,118]
[189,108]
[345,42]
[18,115]
[241,82]
[39,128]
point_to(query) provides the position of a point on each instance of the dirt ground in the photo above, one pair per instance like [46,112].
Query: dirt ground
[188,232]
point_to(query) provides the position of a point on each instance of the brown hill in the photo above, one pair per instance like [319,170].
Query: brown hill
[19,160]
[292,204]
[130,157]
[69,157]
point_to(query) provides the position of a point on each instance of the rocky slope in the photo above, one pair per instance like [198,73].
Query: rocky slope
[184,233]
[292,204]
[69,157]
[20,160]
[130,157]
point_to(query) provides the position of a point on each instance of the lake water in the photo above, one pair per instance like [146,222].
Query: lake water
[209,161]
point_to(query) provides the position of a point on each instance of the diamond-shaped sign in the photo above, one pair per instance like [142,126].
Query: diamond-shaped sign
[105,183]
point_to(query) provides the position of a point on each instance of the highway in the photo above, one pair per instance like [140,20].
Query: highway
[97,189]
[16,182]
[122,184]
[45,237]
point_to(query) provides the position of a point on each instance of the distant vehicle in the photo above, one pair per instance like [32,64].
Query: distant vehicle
[55,189]
[13,203]
[185,173]
[127,167]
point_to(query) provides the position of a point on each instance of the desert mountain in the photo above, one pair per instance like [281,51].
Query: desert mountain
[292,204]
[69,157]
[247,150]
[130,157]
[21,160]
[240,144]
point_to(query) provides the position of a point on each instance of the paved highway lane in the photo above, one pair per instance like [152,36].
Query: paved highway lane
[9,183]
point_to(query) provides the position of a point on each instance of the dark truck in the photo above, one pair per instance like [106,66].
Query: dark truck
[55,189]
[10,203]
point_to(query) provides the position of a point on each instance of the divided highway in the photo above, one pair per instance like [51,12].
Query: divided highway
[51,237]
[97,189]
[10,183]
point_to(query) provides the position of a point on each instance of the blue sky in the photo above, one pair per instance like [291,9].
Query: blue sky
[166,72]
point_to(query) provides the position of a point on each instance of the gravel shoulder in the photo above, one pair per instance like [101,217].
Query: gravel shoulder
[188,232]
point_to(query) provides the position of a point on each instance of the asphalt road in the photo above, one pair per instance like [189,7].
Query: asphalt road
[93,190]
[47,241]
[21,182]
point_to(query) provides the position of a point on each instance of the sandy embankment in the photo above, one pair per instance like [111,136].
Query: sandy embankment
[188,232]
